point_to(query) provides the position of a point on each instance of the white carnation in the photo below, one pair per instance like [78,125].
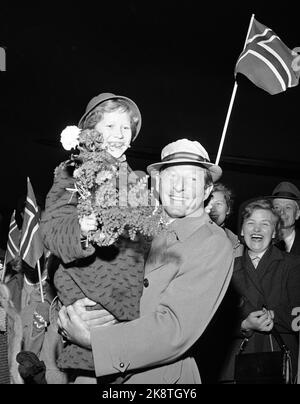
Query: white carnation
[69,137]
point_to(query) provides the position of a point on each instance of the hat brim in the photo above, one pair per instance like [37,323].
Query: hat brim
[282,197]
[292,198]
[216,171]
[113,97]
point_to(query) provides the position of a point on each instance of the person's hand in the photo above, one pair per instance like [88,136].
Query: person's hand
[93,318]
[87,224]
[73,328]
[270,313]
[259,321]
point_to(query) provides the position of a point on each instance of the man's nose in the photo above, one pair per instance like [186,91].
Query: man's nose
[178,184]
[281,211]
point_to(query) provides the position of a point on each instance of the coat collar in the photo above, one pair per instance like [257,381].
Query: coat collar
[186,226]
[244,269]
[272,254]
[182,229]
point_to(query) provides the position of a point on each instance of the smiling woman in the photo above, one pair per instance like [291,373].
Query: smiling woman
[267,283]
[260,224]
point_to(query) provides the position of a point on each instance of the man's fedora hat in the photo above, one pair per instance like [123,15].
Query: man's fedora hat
[286,190]
[94,102]
[188,152]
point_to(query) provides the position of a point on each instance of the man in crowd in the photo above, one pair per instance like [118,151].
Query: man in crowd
[286,200]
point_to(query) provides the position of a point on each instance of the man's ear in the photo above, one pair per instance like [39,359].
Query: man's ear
[297,213]
[207,191]
[242,232]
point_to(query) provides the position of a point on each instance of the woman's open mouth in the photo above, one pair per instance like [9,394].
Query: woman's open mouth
[256,237]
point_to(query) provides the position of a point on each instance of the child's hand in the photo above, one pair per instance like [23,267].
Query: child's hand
[87,224]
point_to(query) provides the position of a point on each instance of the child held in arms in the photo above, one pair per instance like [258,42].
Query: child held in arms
[97,236]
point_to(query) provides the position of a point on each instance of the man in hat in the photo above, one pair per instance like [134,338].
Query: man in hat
[286,199]
[186,276]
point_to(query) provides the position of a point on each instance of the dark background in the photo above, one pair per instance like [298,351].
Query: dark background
[174,59]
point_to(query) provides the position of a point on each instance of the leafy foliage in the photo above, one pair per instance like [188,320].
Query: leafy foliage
[121,202]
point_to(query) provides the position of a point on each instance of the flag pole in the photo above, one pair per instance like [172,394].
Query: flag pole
[40,281]
[4,270]
[231,101]
[5,256]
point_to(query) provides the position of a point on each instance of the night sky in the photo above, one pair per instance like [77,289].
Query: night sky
[174,59]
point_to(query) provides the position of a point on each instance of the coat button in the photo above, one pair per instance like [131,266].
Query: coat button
[122,365]
[146,282]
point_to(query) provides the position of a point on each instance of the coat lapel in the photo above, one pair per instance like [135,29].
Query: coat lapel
[156,257]
[160,252]
[266,263]
[164,248]
[269,264]
[254,278]
[251,275]
[296,244]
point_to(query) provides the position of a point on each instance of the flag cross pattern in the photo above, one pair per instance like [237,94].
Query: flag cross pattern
[267,61]
[13,242]
[31,246]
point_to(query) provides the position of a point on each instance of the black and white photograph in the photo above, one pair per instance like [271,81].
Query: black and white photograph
[150,195]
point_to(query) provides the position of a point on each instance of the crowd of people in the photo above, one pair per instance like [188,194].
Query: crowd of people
[140,311]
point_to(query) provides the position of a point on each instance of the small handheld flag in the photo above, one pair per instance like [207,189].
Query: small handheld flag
[31,246]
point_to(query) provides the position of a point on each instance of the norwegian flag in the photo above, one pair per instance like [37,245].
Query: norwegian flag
[31,246]
[13,241]
[267,61]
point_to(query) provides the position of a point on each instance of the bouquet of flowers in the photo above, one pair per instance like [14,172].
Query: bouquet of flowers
[121,202]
